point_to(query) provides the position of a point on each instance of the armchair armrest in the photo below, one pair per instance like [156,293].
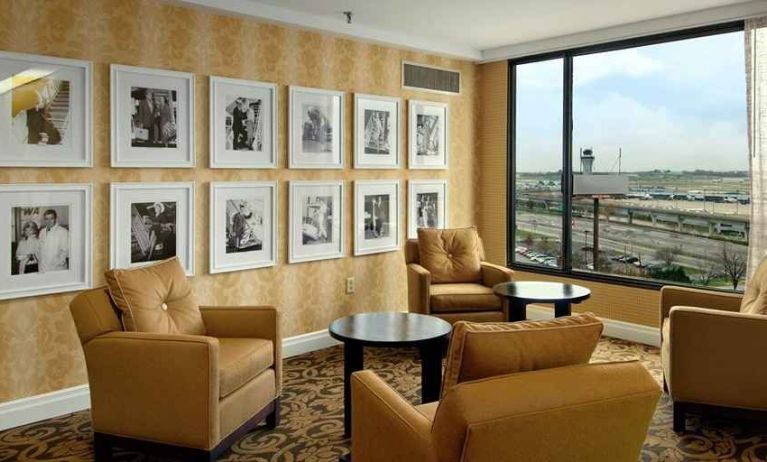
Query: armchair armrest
[384,425]
[241,321]
[418,288]
[671,296]
[247,322]
[713,357]
[142,385]
[495,274]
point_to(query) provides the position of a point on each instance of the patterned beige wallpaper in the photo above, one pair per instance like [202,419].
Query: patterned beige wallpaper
[39,351]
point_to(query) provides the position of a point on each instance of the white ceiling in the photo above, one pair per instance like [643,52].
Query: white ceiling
[468,28]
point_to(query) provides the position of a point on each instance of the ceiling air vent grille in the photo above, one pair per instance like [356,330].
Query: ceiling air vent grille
[427,78]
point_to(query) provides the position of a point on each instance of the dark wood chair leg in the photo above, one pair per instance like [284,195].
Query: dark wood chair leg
[273,419]
[679,411]
[102,448]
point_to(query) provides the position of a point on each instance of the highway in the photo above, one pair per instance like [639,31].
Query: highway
[641,241]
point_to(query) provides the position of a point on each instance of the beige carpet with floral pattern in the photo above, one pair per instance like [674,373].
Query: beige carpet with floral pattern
[312,423]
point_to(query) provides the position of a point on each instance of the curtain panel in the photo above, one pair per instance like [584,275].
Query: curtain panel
[756,76]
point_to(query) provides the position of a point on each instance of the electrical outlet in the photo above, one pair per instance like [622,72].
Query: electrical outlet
[349,285]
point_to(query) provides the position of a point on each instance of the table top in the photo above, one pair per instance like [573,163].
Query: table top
[389,329]
[542,292]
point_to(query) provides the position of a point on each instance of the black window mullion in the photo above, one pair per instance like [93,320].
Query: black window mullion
[511,176]
[567,142]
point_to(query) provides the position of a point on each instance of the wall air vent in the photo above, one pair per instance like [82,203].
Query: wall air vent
[429,78]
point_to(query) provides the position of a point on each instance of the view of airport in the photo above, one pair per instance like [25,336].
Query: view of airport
[637,116]
[685,226]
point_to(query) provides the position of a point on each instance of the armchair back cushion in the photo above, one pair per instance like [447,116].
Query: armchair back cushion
[156,298]
[411,251]
[755,297]
[94,314]
[450,255]
[480,350]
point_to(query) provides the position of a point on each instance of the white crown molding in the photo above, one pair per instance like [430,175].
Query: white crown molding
[339,27]
[631,332]
[56,403]
[626,31]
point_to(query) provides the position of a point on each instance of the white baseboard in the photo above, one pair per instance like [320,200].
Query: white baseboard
[618,329]
[40,407]
[306,343]
[48,405]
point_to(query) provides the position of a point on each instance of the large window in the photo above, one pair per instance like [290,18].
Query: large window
[630,160]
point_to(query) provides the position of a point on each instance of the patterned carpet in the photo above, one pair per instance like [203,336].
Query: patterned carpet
[312,424]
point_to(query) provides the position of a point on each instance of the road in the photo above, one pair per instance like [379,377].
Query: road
[696,251]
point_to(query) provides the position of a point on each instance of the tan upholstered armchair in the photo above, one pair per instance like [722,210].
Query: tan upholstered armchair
[462,290]
[188,396]
[710,344]
[553,406]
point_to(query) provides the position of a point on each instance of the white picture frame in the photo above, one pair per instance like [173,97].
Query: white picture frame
[377,129]
[255,244]
[160,215]
[422,195]
[45,253]
[312,112]
[248,144]
[152,123]
[50,102]
[429,116]
[312,235]
[376,216]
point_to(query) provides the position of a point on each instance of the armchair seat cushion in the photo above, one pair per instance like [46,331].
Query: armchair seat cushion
[463,297]
[241,360]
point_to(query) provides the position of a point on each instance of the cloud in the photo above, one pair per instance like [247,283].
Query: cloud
[628,63]
[658,137]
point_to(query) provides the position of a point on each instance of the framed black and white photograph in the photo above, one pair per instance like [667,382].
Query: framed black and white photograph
[376,131]
[47,104]
[243,225]
[427,205]
[315,128]
[376,216]
[151,222]
[47,248]
[315,220]
[428,135]
[152,117]
[243,123]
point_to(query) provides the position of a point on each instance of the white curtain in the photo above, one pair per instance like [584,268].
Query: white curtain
[756,76]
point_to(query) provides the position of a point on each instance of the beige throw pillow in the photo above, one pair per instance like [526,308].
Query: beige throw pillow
[156,298]
[450,255]
[480,350]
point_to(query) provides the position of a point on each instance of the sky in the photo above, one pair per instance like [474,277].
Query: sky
[677,106]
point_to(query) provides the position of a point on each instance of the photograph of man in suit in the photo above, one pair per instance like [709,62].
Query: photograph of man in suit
[154,118]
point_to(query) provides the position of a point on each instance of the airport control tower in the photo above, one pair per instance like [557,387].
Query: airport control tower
[587,160]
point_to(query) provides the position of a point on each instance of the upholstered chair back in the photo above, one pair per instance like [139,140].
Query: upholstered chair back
[594,412]
[94,314]
[411,251]
[755,297]
[481,350]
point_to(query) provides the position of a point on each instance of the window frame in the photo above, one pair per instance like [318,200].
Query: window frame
[566,269]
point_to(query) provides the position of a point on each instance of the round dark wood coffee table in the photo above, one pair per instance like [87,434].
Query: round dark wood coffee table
[519,294]
[427,333]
